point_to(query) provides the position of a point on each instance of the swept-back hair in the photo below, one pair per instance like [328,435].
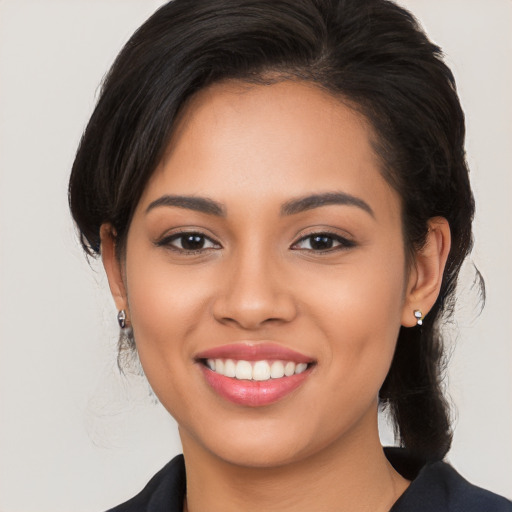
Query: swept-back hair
[373,56]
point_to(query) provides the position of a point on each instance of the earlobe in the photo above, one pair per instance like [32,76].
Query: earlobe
[113,267]
[426,274]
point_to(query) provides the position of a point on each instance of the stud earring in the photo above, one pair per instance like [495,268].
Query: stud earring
[121,318]
[419,317]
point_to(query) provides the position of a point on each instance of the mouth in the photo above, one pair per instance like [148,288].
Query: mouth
[254,375]
[261,371]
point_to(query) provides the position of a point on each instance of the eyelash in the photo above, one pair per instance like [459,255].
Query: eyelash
[167,242]
[342,242]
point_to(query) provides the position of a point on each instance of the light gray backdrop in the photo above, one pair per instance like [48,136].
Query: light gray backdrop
[73,435]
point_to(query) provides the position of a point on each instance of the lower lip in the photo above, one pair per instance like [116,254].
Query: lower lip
[253,393]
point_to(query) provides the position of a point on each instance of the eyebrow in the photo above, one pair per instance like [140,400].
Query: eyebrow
[318,200]
[198,204]
[292,207]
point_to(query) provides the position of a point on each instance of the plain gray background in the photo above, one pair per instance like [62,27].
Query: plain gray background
[74,436]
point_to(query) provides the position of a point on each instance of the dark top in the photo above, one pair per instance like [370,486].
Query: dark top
[435,487]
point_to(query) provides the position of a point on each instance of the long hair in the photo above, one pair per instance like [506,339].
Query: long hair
[372,55]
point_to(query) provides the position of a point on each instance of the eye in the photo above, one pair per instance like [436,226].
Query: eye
[188,242]
[322,242]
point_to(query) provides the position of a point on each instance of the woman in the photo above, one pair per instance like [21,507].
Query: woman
[279,194]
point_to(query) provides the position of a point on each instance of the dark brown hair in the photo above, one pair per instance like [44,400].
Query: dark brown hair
[371,54]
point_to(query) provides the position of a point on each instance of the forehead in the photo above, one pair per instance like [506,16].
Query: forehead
[240,142]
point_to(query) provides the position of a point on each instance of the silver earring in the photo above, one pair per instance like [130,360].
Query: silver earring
[419,317]
[121,318]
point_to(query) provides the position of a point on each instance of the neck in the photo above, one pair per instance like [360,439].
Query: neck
[345,476]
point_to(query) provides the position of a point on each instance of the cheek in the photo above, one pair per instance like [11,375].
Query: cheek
[368,292]
[166,306]
[359,310]
[167,310]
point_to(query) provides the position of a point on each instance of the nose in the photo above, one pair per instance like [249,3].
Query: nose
[254,294]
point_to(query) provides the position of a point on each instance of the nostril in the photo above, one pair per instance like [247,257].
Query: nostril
[251,322]
[256,314]
[253,294]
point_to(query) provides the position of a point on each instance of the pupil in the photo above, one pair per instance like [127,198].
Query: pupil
[321,242]
[192,242]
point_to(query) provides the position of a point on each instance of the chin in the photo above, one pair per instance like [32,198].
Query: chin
[268,443]
[257,456]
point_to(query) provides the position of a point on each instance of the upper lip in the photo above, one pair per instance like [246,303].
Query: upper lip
[254,352]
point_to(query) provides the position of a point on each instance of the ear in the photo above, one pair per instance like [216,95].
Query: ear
[427,270]
[113,267]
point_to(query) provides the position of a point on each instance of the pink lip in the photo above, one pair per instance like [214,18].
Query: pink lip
[248,392]
[254,352]
[253,393]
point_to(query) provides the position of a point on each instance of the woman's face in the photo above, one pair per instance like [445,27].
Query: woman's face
[267,242]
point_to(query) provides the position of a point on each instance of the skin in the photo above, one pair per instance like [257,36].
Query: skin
[252,149]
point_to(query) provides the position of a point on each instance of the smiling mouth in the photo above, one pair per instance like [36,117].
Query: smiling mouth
[262,370]
[254,374]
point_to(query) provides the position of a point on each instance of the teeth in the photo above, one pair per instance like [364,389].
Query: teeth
[277,370]
[289,369]
[243,370]
[229,368]
[300,367]
[261,370]
[255,370]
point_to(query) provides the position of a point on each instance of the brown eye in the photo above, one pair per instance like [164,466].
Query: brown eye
[323,242]
[188,242]
[192,242]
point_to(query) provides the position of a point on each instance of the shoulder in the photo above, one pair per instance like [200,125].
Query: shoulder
[164,492]
[436,487]
[439,488]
